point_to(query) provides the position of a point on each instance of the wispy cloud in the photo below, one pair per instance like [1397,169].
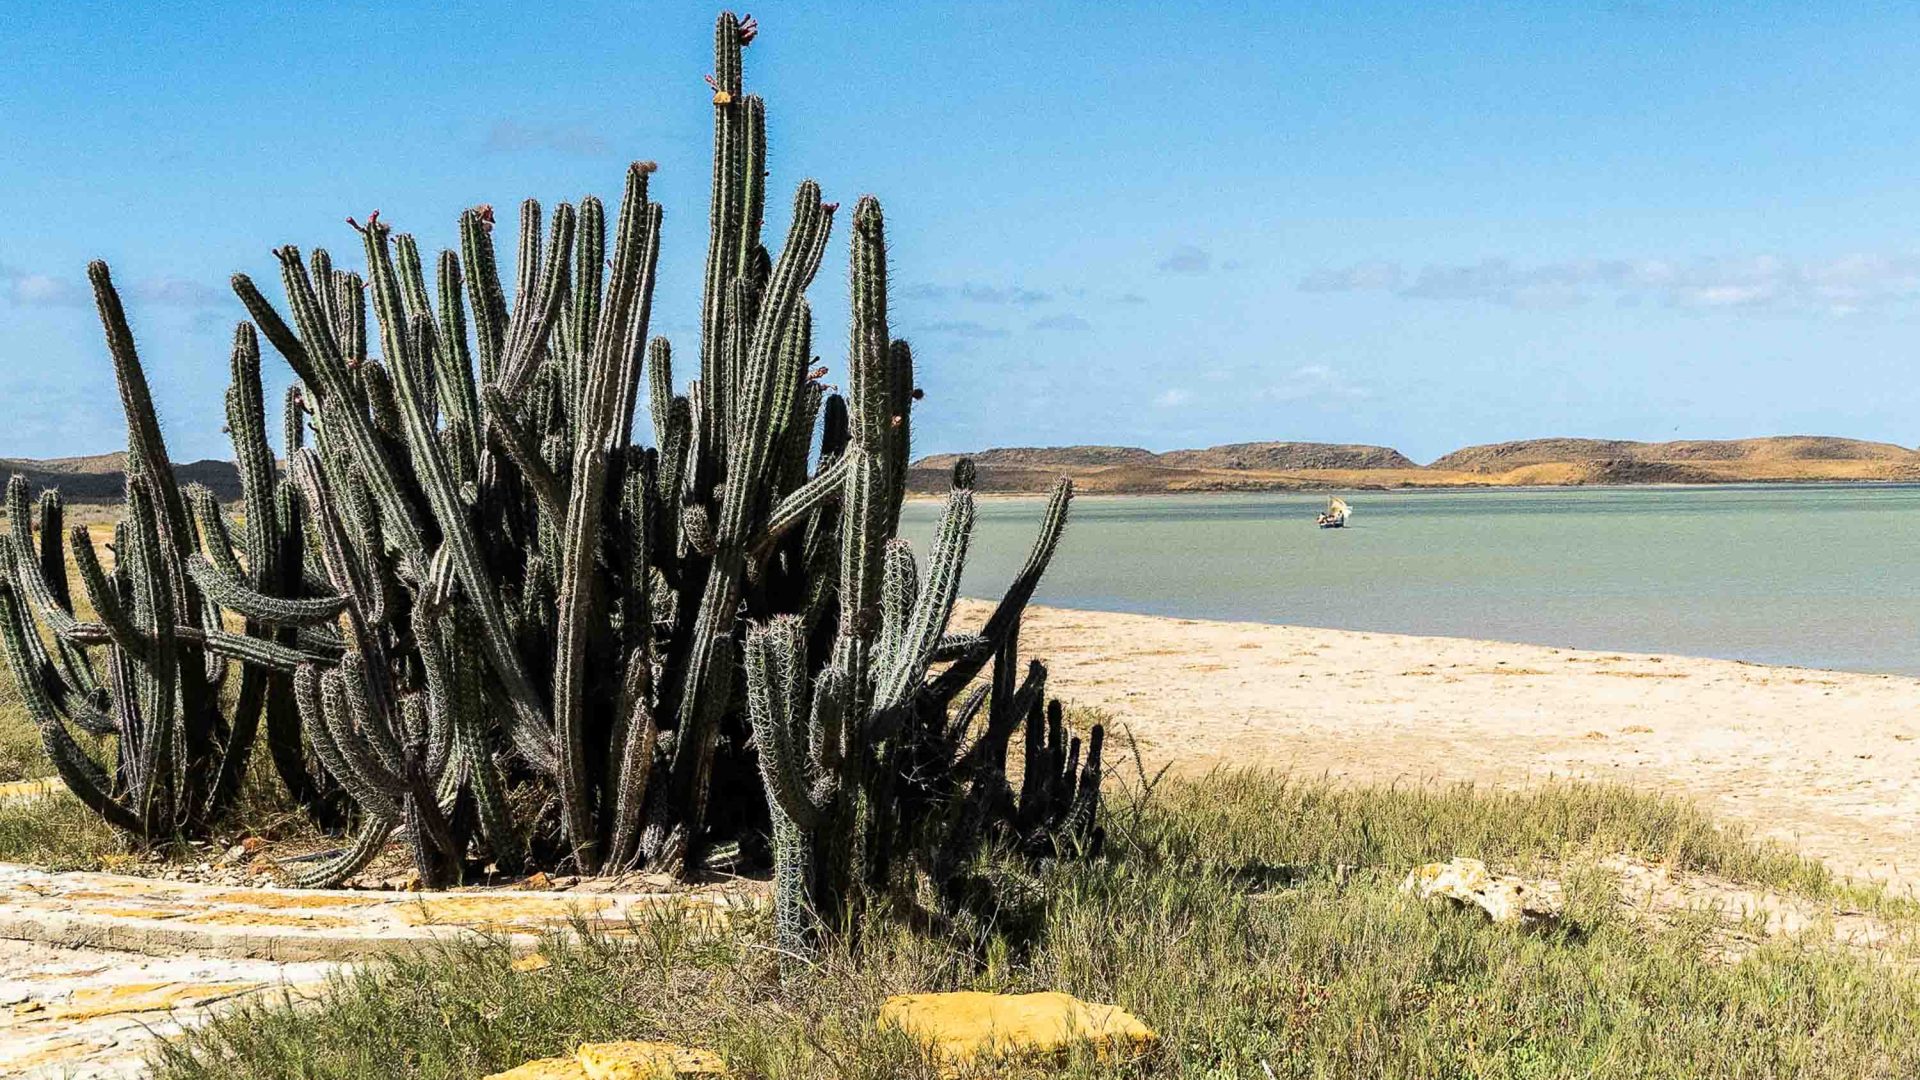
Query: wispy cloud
[514,136]
[1014,295]
[1063,321]
[1186,259]
[1132,298]
[1838,286]
[963,328]
[1172,398]
[25,289]
[1313,382]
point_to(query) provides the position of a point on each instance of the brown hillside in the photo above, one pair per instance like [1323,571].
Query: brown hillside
[1286,456]
[1504,457]
[101,478]
[1284,466]
[1048,456]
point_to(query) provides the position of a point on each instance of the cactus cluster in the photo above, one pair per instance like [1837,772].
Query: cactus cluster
[474,611]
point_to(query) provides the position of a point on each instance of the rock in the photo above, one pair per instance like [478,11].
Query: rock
[536,882]
[1466,882]
[647,1061]
[544,1069]
[532,962]
[621,1061]
[959,1028]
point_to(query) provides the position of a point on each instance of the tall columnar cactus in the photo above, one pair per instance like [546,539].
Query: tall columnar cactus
[477,612]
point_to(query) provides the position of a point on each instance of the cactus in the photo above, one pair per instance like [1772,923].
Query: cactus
[478,614]
[148,668]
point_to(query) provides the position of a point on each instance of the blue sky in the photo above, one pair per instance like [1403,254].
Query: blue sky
[1424,225]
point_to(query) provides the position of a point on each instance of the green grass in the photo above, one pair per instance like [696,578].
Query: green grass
[1218,916]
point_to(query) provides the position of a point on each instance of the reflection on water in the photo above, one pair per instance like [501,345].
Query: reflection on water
[1822,575]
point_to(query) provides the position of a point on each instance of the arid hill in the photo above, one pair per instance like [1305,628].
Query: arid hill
[1282,466]
[1258,466]
[102,478]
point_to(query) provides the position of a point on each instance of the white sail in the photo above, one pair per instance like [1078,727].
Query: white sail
[1338,508]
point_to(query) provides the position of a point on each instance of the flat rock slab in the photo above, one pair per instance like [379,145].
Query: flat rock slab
[87,1014]
[94,966]
[147,915]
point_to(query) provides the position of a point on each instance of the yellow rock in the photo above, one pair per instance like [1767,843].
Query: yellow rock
[544,1069]
[532,962]
[962,1027]
[621,1061]
[92,1002]
[647,1061]
[28,789]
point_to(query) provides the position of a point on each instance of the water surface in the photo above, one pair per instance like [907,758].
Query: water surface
[1820,575]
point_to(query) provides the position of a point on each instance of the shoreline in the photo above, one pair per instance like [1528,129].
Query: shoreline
[1820,760]
[1438,489]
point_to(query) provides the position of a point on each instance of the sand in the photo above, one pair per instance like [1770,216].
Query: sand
[1828,762]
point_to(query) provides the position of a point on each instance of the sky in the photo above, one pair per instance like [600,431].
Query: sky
[1421,225]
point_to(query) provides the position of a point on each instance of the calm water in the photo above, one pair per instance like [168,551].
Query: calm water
[1821,575]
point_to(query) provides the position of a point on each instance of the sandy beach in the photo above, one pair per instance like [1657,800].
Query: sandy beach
[1826,761]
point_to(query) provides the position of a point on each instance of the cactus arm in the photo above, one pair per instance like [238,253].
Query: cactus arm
[53,570]
[635,742]
[483,289]
[309,695]
[105,596]
[954,646]
[527,334]
[1005,619]
[921,635]
[899,589]
[458,394]
[29,576]
[152,704]
[776,693]
[232,593]
[85,779]
[263,652]
[146,449]
[824,486]
[368,842]
[600,412]
[525,454]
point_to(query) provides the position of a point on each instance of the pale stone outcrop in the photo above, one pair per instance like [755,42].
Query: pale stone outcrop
[960,1028]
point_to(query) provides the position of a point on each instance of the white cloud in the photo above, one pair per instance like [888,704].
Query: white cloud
[1186,259]
[1838,286]
[1172,398]
[1314,382]
[45,290]
[1062,321]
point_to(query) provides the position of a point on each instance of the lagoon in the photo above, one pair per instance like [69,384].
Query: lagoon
[1821,575]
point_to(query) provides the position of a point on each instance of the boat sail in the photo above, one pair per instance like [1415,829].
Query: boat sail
[1336,514]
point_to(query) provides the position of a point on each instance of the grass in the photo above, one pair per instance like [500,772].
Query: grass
[1253,919]
[1187,923]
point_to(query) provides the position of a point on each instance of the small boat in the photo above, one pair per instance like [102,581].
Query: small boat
[1336,514]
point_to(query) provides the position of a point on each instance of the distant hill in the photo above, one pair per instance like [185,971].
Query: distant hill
[1286,456]
[1690,461]
[1256,466]
[1279,466]
[102,478]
